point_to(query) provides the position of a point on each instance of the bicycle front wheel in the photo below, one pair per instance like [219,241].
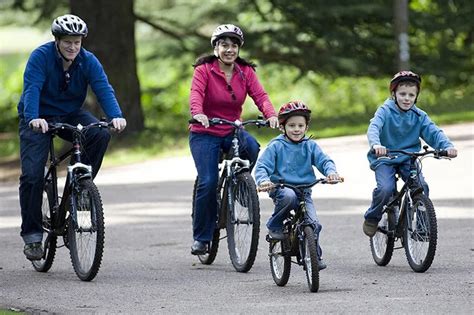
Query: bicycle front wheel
[382,243]
[86,230]
[243,222]
[420,233]
[310,259]
[280,263]
[49,239]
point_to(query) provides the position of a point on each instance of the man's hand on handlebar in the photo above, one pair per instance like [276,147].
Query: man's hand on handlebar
[202,119]
[39,124]
[119,124]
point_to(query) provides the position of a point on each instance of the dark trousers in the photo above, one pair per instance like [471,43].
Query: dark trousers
[34,150]
[205,149]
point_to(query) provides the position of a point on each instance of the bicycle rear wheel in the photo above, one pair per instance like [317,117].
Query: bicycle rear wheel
[420,233]
[280,263]
[210,256]
[243,222]
[86,230]
[310,259]
[382,243]
[49,239]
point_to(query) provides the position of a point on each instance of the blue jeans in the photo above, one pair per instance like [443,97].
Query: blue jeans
[285,200]
[386,186]
[34,151]
[205,149]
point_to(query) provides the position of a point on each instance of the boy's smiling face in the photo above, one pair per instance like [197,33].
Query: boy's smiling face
[406,96]
[296,127]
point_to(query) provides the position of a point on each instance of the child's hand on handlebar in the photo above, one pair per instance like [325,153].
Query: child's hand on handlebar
[452,152]
[265,186]
[39,124]
[202,119]
[334,178]
[379,150]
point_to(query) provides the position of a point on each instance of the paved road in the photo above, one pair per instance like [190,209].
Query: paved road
[147,267]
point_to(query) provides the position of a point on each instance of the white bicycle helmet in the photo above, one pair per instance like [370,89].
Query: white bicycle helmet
[69,25]
[227,30]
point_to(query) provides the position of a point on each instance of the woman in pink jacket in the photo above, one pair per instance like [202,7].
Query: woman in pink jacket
[221,82]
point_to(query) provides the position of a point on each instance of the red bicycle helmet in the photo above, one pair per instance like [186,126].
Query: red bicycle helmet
[404,76]
[291,109]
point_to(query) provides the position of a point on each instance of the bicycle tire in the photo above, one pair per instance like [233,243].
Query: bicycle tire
[420,233]
[310,259]
[243,222]
[210,256]
[382,244]
[280,263]
[86,237]
[49,239]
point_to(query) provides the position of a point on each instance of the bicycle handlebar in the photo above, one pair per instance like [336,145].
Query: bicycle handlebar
[436,153]
[305,186]
[236,124]
[52,127]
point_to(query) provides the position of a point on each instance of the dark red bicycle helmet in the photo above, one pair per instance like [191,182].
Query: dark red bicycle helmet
[404,76]
[291,109]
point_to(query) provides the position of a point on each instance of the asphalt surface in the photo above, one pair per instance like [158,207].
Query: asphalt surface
[147,266]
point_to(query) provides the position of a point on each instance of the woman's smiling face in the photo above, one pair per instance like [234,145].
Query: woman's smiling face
[227,50]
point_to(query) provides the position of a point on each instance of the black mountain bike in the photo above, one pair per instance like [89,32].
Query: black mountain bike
[237,203]
[76,216]
[410,217]
[300,242]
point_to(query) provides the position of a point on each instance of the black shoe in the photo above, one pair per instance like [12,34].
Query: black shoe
[276,235]
[33,251]
[321,264]
[199,248]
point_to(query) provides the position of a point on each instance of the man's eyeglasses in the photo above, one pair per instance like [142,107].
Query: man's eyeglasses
[229,88]
[67,80]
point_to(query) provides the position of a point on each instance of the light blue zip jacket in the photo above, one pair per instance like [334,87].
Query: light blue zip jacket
[399,130]
[292,162]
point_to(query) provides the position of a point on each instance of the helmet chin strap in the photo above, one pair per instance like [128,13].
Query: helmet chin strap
[61,54]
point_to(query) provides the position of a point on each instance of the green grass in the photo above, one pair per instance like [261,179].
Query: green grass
[10,312]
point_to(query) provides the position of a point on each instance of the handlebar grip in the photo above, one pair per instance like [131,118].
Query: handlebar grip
[193,121]
[443,153]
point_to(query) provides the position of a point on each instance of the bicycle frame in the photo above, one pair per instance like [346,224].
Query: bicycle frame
[410,188]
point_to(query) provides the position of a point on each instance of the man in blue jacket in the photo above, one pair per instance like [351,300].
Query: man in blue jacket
[56,79]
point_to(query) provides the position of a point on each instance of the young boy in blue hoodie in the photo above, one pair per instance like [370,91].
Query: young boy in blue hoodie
[290,158]
[398,125]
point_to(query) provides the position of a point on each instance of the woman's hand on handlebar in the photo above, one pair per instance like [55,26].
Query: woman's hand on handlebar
[39,124]
[202,119]
[119,124]
[273,122]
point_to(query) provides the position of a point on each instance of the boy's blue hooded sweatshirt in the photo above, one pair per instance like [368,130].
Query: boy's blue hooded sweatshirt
[399,130]
[46,92]
[292,162]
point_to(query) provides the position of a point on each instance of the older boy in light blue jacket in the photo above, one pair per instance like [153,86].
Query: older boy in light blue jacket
[398,125]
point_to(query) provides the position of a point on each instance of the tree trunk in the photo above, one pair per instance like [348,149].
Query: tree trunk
[401,33]
[111,38]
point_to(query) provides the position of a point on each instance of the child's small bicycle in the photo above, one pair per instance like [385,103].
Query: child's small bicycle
[300,242]
[410,217]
